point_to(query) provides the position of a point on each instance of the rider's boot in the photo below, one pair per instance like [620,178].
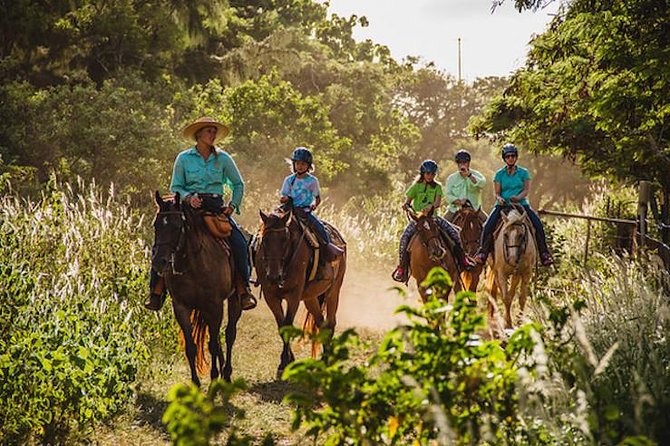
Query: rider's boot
[248,300]
[464,261]
[545,259]
[156,295]
[401,273]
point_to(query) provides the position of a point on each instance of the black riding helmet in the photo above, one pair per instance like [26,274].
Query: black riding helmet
[302,154]
[428,166]
[462,156]
[509,149]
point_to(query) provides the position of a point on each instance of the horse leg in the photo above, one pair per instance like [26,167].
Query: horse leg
[512,288]
[213,318]
[312,305]
[523,294]
[506,298]
[183,316]
[234,313]
[287,355]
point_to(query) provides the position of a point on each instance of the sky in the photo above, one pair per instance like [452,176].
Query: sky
[492,44]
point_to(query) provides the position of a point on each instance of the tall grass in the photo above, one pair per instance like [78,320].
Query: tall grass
[73,337]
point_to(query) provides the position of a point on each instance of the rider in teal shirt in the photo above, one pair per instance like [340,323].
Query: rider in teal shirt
[193,174]
[199,175]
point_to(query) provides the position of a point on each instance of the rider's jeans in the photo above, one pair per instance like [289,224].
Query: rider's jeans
[240,253]
[317,225]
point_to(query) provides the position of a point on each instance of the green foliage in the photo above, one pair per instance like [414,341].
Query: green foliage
[434,379]
[194,419]
[595,89]
[71,342]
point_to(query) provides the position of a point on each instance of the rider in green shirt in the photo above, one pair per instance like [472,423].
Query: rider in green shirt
[426,193]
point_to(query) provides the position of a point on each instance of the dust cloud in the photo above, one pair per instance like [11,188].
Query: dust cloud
[367,300]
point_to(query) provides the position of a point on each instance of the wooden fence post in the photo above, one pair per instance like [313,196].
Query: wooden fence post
[642,206]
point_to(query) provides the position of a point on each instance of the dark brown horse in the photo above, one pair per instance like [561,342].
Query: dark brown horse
[471,226]
[199,276]
[283,265]
[427,250]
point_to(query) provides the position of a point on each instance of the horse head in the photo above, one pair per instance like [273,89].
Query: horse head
[169,230]
[515,235]
[429,233]
[275,246]
[467,218]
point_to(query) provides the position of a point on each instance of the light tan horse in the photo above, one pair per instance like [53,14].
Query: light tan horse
[471,226]
[427,250]
[513,261]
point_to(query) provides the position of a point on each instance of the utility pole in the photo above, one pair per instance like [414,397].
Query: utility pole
[459,60]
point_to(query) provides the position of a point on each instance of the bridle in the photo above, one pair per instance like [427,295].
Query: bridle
[180,242]
[521,242]
[282,258]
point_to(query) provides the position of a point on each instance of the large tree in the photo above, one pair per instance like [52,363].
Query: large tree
[596,89]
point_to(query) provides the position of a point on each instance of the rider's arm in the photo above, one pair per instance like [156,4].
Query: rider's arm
[438,201]
[231,175]
[525,191]
[498,189]
[478,181]
[178,182]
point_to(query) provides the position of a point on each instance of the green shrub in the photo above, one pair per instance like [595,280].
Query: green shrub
[72,335]
[432,380]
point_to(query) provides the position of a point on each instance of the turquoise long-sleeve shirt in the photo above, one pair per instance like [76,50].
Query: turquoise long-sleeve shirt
[193,174]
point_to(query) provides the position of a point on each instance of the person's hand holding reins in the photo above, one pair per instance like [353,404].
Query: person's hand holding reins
[228,211]
[194,201]
[500,200]
[514,199]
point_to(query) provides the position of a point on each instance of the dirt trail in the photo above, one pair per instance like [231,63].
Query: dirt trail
[367,299]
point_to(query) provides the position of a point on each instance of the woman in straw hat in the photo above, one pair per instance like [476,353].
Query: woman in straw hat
[198,176]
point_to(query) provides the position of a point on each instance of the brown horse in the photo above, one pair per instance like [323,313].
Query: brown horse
[199,276]
[513,261]
[427,250]
[282,265]
[471,226]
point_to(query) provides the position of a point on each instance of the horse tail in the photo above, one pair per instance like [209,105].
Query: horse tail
[468,277]
[310,328]
[199,332]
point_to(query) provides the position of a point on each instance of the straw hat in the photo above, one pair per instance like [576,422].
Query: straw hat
[191,129]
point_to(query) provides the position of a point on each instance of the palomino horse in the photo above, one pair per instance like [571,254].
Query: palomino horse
[427,250]
[199,276]
[283,265]
[471,226]
[513,261]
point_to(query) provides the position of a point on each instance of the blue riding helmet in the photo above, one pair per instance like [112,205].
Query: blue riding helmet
[462,156]
[428,166]
[509,149]
[302,154]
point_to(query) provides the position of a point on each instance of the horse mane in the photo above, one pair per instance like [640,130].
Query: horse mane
[514,217]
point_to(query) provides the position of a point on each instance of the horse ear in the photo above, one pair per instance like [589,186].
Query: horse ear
[263,216]
[431,211]
[413,215]
[158,198]
[177,200]
[504,217]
